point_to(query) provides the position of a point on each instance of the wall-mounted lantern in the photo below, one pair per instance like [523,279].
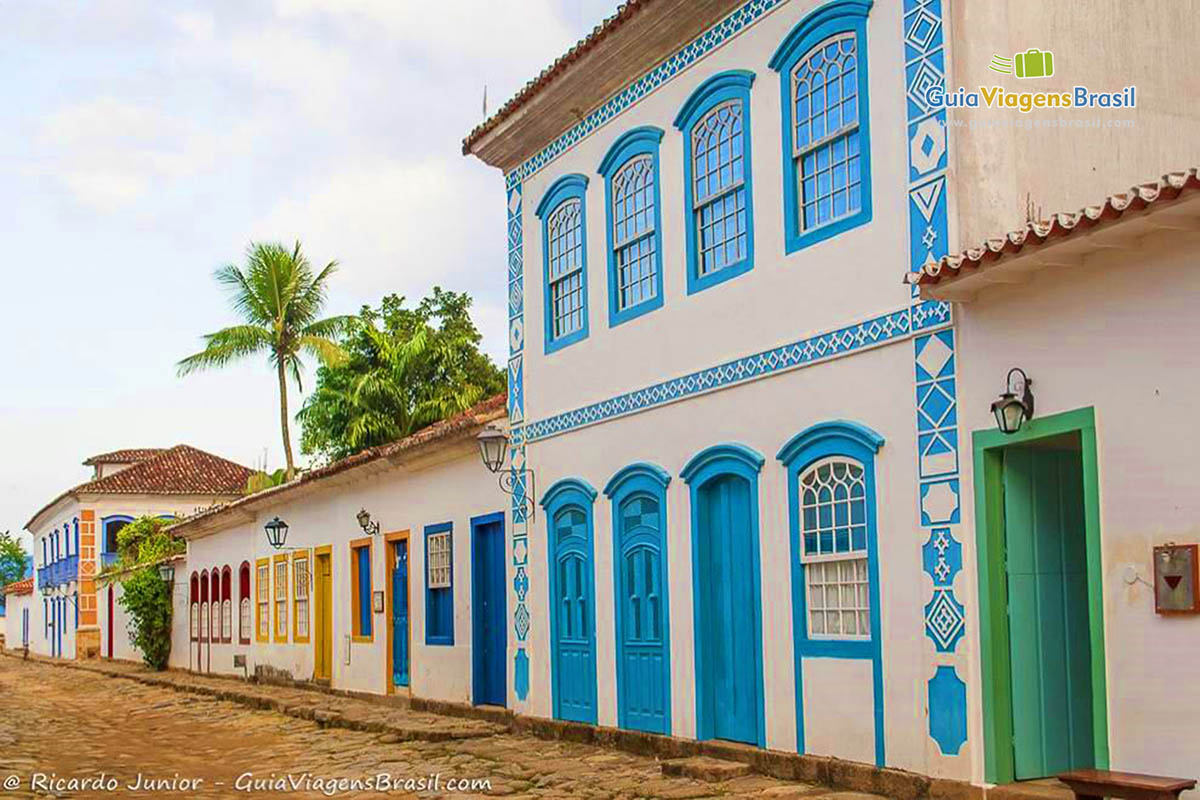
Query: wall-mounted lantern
[166,571]
[364,522]
[277,531]
[1015,405]
[493,449]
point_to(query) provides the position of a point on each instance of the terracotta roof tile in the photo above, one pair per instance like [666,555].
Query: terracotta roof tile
[19,587]
[129,456]
[1058,227]
[624,12]
[448,429]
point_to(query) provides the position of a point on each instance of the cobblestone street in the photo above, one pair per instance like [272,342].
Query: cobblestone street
[67,723]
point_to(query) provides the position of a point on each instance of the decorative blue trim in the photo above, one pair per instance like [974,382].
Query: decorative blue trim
[732,84]
[521,674]
[857,441]
[947,710]
[102,548]
[635,142]
[888,328]
[716,36]
[521,619]
[442,637]
[568,187]
[651,480]
[700,466]
[839,16]
[570,493]
[640,469]
[724,459]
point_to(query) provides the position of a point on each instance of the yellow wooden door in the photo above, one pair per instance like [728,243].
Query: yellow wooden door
[323,641]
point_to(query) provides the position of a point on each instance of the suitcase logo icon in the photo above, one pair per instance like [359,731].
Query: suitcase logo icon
[1033,63]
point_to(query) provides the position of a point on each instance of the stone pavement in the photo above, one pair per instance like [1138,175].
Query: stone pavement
[80,721]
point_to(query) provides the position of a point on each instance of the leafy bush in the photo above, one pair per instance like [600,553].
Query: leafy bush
[141,546]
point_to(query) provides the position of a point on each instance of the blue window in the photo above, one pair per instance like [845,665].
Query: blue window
[563,213]
[634,224]
[715,122]
[439,584]
[827,156]
[834,563]
[360,582]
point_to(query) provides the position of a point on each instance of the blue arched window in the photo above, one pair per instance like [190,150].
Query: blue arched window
[110,527]
[827,154]
[835,564]
[563,212]
[634,224]
[568,505]
[715,121]
[639,509]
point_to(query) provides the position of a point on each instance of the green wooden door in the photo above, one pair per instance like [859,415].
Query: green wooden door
[1047,611]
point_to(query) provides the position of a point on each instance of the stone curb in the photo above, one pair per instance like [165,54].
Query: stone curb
[835,773]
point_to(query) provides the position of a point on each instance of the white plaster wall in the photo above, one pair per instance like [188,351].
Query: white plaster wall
[15,604]
[452,486]
[1119,334]
[847,278]
[873,388]
[1064,169]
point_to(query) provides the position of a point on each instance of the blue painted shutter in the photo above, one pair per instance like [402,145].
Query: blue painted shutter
[364,591]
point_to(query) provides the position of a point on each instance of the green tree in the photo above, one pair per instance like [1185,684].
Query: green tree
[406,368]
[141,546]
[12,559]
[279,297]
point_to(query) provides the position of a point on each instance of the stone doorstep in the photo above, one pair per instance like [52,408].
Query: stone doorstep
[703,768]
[835,773]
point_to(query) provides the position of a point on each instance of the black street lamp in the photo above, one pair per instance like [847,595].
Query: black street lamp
[1015,404]
[364,522]
[493,448]
[277,531]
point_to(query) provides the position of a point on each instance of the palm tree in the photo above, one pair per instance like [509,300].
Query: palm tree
[279,298]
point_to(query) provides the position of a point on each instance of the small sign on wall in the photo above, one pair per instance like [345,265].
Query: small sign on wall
[377,602]
[1176,579]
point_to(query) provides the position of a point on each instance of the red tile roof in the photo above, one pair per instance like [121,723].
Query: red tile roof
[624,12]
[129,456]
[1058,227]
[444,431]
[180,470]
[19,587]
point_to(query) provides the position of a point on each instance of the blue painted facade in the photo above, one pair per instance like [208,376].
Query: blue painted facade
[728,504]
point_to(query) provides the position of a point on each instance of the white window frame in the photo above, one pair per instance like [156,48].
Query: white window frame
[700,204]
[439,566]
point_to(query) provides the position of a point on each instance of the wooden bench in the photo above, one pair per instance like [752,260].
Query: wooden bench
[1094,784]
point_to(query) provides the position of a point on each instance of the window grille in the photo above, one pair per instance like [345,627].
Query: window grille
[244,621]
[833,532]
[300,576]
[633,232]
[719,187]
[825,141]
[565,231]
[439,560]
[281,597]
[264,601]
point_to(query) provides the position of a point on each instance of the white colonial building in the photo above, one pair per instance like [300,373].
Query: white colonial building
[746,508]
[75,536]
[384,572]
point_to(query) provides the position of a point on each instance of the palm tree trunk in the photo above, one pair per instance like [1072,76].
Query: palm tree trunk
[283,421]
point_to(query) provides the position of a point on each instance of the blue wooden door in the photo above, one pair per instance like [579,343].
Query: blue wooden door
[1047,611]
[729,652]
[400,632]
[489,630]
[574,617]
[644,701]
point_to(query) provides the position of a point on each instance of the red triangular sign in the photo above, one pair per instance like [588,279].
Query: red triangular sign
[1172,580]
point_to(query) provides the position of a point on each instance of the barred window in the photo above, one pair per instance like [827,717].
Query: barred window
[633,232]
[833,532]
[264,600]
[565,248]
[300,577]
[439,560]
[826,135]
[281,599]
[719,187]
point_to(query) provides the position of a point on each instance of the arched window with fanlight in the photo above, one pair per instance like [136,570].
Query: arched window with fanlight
[827,157]
[563,212]
[194,608]
[214,608]
[244,623]
[633,214]
[204,618]
[226,605]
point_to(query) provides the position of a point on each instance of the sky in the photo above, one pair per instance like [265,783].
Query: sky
[146,142]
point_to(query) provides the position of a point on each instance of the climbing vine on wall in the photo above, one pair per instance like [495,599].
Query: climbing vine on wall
[142,545]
